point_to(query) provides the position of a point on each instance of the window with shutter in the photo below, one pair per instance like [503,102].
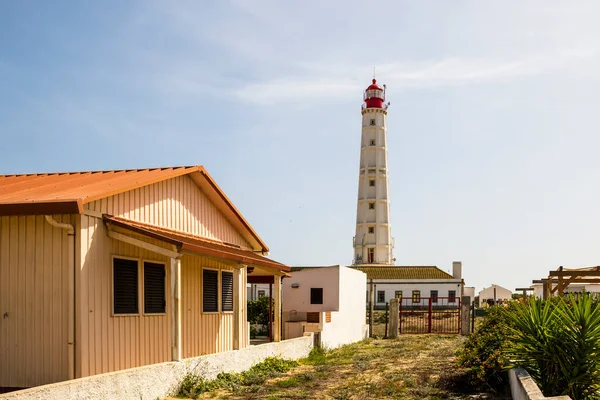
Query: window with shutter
[125,286]
[154,288]
[316,295]
[210,289]
[226,291]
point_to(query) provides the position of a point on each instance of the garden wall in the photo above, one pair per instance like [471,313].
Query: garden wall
[522,387]
[159,380]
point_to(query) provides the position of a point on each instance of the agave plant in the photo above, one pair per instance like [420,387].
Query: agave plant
[558,342]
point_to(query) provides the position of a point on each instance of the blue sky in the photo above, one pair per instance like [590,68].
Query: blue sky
[493,130]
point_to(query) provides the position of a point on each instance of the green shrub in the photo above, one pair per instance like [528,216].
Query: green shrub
[317,356]
[484,351]
[558,342]
[258,311]
[194,385]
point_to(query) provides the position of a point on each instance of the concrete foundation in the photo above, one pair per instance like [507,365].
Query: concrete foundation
[160,380]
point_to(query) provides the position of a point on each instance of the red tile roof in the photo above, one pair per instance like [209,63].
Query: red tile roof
[402,272]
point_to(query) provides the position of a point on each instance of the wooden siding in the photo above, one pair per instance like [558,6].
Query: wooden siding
[105,342]
[203,333]
[176,204]
[110,343]
[34,300]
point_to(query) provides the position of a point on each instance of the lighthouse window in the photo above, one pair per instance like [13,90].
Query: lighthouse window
[372,182]
[372,142]
[371,206]
[372,123]
[371,229]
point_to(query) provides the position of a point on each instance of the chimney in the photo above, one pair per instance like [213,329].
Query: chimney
[457,269]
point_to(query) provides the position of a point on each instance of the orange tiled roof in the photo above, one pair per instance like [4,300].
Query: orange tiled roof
[67,192]
[196,244]
[403,272]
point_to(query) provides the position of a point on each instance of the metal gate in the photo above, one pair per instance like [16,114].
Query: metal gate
[429,315]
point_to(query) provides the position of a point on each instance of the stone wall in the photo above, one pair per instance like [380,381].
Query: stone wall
[159,380]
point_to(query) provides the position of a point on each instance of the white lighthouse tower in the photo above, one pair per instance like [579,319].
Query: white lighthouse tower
[373,243]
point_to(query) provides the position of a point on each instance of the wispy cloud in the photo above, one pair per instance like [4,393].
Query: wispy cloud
[327,80]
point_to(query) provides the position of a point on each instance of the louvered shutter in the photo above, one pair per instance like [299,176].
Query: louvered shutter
[154,288]
[125,286]
[210,289]
[227,291]
[316,295]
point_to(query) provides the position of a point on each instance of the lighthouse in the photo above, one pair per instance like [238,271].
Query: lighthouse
[373,243]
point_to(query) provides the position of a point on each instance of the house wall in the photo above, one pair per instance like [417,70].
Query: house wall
[348,324]
[110,343]
[34,300]
[298,299]
[488,293]
[407,287]
[175,204]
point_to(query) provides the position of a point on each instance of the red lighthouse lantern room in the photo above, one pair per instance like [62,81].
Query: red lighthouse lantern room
[374,96]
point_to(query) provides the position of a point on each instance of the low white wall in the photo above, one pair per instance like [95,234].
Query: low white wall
[159,380]
[522,387]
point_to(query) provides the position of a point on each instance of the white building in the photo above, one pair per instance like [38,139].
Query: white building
[469,291]
[257,290]
[538,288]
[494,294]
[412,282]
[315,300]
[373,243]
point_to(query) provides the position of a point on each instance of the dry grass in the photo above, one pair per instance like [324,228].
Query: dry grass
[411,367]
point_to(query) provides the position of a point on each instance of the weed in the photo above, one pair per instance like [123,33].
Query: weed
[194,385]
[287,382]
[317,356]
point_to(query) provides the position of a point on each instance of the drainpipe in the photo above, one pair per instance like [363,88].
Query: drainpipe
[71,309]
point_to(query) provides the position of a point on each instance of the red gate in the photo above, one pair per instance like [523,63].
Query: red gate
[429,315]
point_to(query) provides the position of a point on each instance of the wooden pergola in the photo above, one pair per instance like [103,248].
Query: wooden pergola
[524,290]
[560,279]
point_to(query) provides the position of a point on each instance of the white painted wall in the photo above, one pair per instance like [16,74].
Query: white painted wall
[348,324]
[488,293]
[298,299]
[348,314]
[469,291]
[159,380]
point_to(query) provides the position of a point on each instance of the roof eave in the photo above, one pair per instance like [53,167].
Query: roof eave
[42,208]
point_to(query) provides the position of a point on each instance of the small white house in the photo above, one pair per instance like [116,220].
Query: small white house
[494,294]
[411,282]
[327,301]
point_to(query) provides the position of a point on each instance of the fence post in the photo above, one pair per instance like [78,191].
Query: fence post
[429,317]
[394,316]
[387,318]
[464,315]
[473,317]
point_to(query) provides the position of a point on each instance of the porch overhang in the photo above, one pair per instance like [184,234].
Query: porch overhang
[191,244]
